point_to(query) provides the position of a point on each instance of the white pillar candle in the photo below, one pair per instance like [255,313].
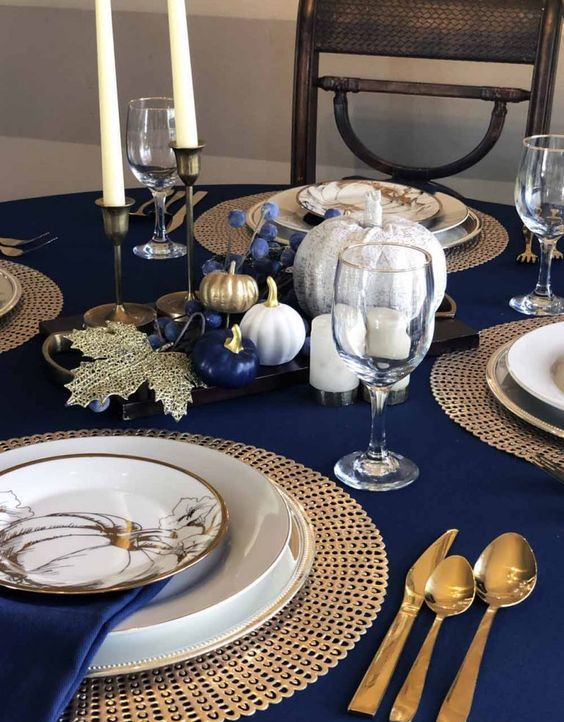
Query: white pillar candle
[110,134]
[387,336]
[184,104]
[327,372]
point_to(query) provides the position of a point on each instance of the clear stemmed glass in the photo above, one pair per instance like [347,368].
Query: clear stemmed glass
[539,198]
[150,132]
[383,323]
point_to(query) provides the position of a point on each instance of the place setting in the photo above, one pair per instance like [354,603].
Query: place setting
[182,546]
[468,236]
[514,381]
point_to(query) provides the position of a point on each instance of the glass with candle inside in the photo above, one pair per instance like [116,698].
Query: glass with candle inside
[383,322]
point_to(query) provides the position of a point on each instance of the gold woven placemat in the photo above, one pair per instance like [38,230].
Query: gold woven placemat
[212,231]
[41,300]
[458,383]
[312,634]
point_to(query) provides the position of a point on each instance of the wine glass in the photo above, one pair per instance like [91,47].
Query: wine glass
[150,132]
[383,323]
[539,198]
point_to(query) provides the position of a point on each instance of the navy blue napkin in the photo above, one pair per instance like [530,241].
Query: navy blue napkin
[47,643]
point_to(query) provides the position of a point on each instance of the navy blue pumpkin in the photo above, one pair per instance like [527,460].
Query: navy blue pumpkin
[222,358]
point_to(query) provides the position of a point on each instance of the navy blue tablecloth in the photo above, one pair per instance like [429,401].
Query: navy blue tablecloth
[464,483]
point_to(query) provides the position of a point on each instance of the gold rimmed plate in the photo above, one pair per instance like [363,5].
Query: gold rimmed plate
[349,196]
[91,523]
[454,225]
[10,292]
[518,401]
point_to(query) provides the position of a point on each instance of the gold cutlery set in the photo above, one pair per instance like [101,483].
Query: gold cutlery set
[16,247]
[504,575]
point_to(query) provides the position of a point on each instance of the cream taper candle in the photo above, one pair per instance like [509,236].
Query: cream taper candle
[183,86]
[110,134]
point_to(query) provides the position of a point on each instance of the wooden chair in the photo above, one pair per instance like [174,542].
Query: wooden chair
[504,31]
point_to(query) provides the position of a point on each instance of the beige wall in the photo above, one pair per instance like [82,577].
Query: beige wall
[243,62]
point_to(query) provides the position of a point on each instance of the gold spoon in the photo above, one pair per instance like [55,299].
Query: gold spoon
[506,573]
[449,590]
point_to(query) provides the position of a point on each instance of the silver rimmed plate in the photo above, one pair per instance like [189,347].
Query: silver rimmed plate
[536,362]
[453,215]
[349,196]
[517,401]
[469,230]
[10,292]
[99,522]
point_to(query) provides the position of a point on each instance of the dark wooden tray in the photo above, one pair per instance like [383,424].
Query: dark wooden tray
[450,335]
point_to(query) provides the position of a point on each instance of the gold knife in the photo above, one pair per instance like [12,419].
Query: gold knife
[180,215]
[371,690]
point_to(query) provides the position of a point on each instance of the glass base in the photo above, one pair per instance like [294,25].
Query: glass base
[360,472]
[534,305]
[160,251]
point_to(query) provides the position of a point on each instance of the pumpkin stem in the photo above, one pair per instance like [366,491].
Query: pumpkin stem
[272,300]
[373,209]
[232,267]
[235,343]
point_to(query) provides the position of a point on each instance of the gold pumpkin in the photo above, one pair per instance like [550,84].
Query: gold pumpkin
[228,292]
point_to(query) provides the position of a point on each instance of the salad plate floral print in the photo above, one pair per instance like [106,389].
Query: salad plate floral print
[97,523]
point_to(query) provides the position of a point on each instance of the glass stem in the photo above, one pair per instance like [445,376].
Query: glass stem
[543,283]
[159,234]
[377,449]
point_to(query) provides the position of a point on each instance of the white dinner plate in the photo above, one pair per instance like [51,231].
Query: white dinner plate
[10,292]
[257,539]
[453,215]
[196,634]
[536,362]
[516,400]
[91,523]
[349,196]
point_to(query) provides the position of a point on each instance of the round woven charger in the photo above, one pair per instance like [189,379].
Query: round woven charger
[458,382]
[340,600]
[212,231]
[41,300]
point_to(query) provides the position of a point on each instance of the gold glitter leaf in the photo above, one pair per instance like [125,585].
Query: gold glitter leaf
[123,360]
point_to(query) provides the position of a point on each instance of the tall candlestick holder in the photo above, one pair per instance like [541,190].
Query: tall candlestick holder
[116,226]
[188,166]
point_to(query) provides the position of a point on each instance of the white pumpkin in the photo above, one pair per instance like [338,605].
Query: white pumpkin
[276,329]
[316,259]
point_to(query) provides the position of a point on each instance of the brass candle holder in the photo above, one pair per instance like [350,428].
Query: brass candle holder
[188,166]
[116,226]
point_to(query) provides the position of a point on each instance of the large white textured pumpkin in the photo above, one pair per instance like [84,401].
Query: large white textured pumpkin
[276,329]
[316,259]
